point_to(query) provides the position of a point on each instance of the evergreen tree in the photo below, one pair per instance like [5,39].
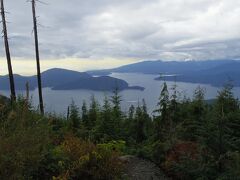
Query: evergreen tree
[195,124]
[173,106]
[128,123]
[131,112]
[116,101]
[117,113]
[198,103]
[85,115]
[225,122]
[139,125]
[93,113]
[105,124]
[162,124]
[164,104]
[147,119]
[173,99]
[74,119]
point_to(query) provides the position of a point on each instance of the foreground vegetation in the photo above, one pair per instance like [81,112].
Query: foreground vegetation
[188,139]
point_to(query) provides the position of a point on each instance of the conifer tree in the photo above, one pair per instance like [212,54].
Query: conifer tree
[173,106]
[148,128]
[74,119]
[116,101]
[174,96]
[93,113]
[131,113]
[226,121]
[116,112]
[85,114]
[139,125]
[195,125]
[108,123]
[162,123]
[164,103]
[105,124]
[128,123]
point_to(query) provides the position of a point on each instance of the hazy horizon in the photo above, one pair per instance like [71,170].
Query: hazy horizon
[80,66]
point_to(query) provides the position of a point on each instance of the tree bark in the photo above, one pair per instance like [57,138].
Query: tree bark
[8,55]
[37,57]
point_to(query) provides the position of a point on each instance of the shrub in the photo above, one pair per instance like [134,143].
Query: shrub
[88,161]
[24,142]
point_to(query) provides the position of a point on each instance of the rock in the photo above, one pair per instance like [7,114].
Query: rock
[4,100]
[140,169]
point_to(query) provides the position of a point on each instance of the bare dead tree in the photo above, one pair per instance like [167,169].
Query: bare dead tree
[8,55]
[35,30]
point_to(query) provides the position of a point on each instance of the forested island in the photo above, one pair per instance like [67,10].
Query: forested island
[185,138]
[63,79]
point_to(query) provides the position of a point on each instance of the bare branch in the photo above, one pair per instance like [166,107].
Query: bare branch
[42,2]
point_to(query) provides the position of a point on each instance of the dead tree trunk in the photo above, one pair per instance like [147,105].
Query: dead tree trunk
[8,55]
[37,57]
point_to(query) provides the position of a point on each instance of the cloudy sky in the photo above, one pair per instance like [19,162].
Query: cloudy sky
[91,34]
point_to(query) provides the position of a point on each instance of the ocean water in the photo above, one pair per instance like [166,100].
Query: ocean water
[58,101]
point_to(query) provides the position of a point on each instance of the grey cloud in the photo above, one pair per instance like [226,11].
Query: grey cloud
[140,29]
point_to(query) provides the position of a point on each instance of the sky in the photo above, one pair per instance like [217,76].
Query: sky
[96,34]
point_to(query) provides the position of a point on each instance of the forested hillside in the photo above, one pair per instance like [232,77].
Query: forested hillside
[187,139]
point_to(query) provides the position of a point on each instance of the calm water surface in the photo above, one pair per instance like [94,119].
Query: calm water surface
[58,101]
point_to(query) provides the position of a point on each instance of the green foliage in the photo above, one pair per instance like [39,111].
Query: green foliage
[37,147]
[118,146]
[162,119]
[24,143]
[104,130]
[85,114]
[186,138]
[84,160]
[116,101]
[74,119]
[232,166]
[93,113]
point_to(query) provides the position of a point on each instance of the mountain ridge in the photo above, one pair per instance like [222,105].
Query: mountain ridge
[214,72]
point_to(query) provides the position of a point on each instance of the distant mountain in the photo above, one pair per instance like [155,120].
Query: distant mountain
[168,67]
[216,76]
[214,72]
[62,79]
